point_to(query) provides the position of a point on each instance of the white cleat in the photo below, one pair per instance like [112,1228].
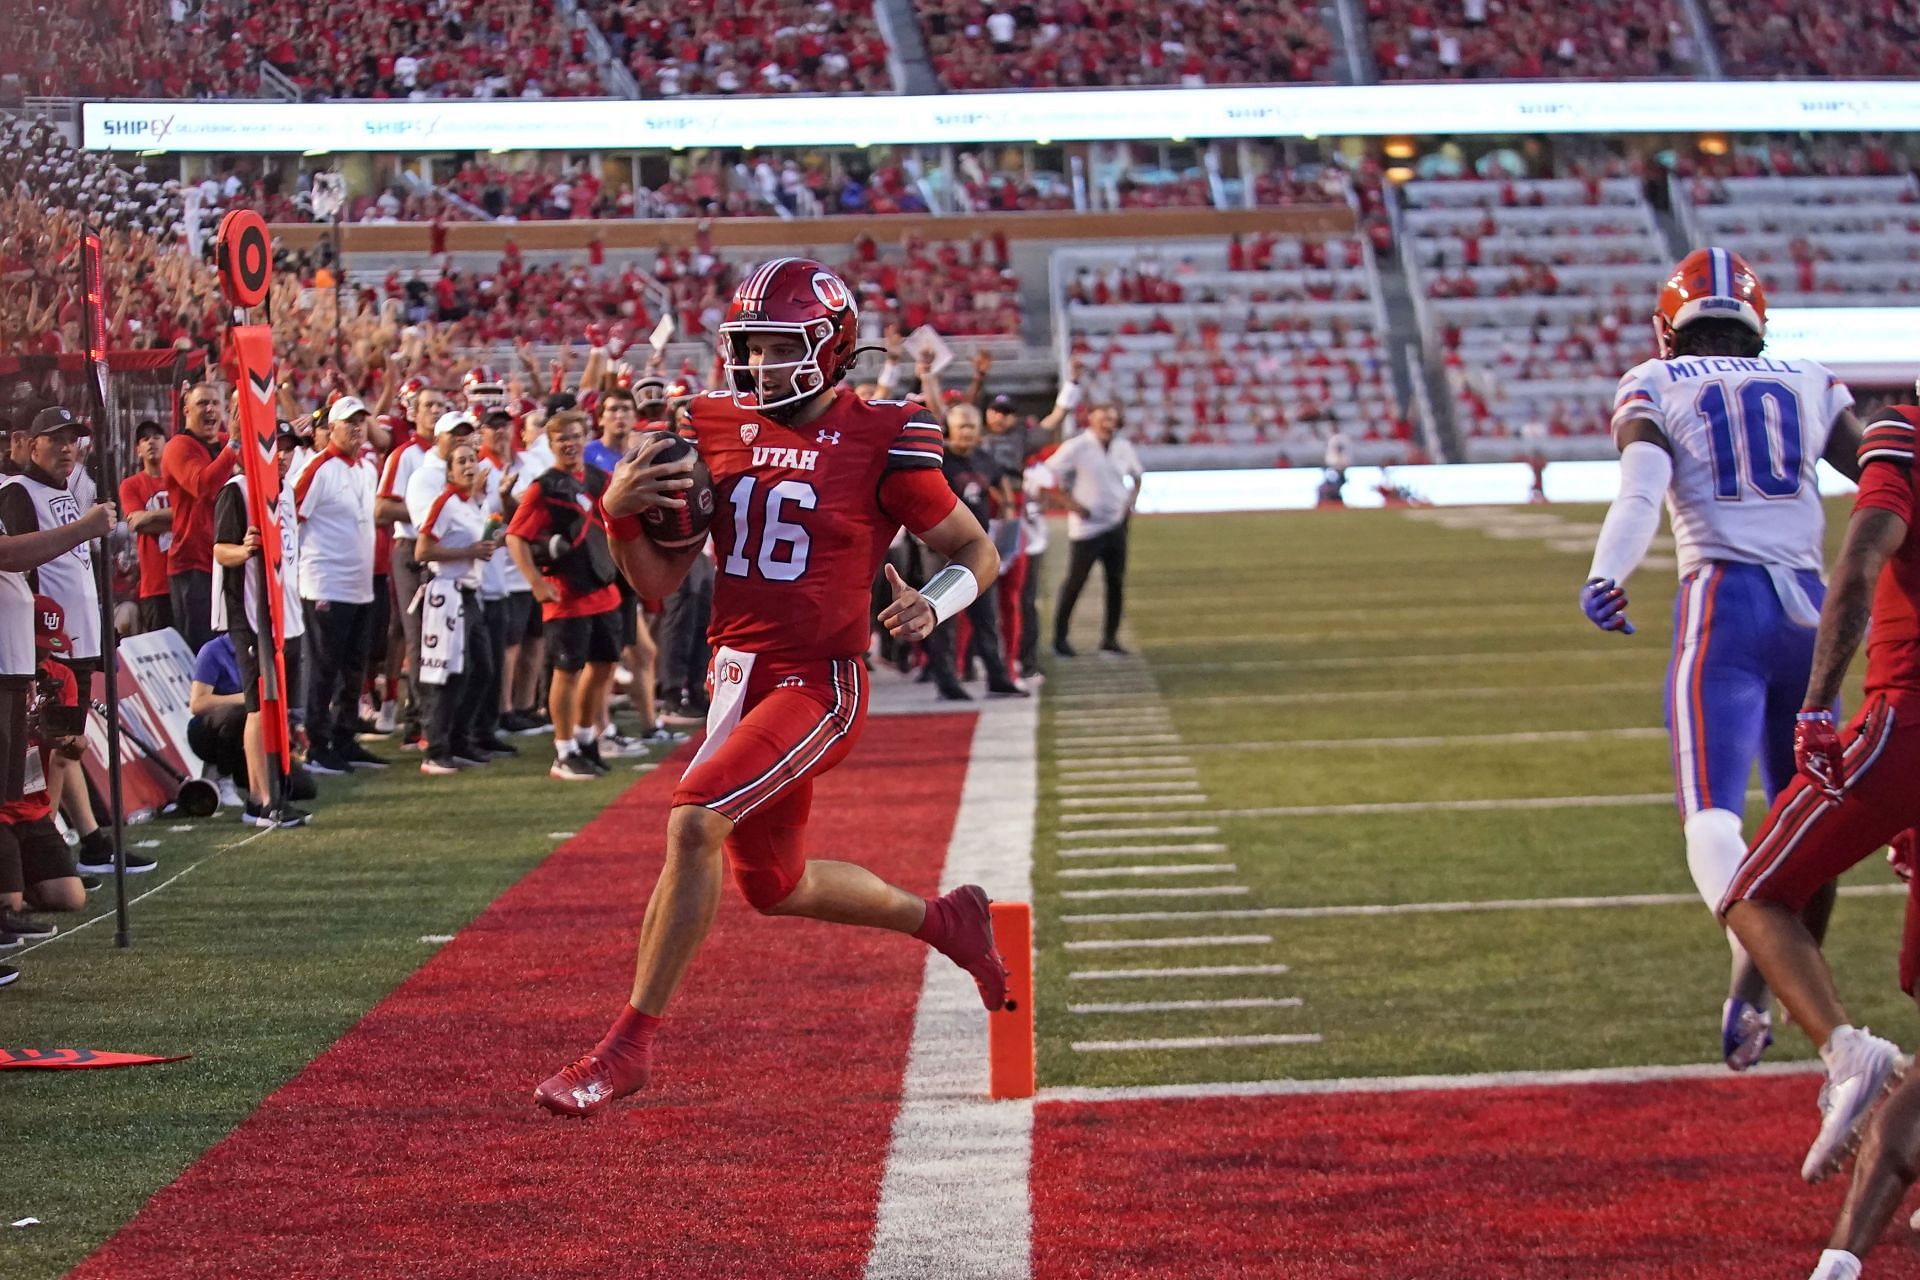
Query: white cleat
[1861,1069]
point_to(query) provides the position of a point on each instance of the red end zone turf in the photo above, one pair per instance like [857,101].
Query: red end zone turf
[1680,1180]
[412,1147]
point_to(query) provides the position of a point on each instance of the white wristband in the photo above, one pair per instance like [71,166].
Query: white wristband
[1069,396]
[950,590]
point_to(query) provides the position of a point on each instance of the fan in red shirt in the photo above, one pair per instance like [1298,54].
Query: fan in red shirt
[810,485]
[195,466]
[143,496]
[1855,792]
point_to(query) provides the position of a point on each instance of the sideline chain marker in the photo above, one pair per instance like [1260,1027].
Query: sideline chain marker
[1010,1030]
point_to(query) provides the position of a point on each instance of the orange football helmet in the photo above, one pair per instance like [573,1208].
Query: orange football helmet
[1709,284]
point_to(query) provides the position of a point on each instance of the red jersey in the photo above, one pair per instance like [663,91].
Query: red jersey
[193,471]
[142,492]
[534,520]
[1887,483]
[803,516]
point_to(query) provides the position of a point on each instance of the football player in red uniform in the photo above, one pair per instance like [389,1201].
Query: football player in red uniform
[1855,789]
[810,484]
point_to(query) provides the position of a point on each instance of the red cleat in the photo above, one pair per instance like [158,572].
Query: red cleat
[586,1086]
[970,944]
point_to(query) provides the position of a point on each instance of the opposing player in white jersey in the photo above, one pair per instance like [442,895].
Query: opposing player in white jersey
[1731,438]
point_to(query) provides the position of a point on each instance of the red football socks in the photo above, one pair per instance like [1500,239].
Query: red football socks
[937,928]
[628,1044]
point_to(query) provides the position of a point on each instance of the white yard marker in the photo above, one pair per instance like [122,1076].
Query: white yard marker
[1189,891]
[1134,783]
[1443,908]
[1119,740]
[1086,773]
[1101,802]
[1425,1084]
[1535,737]
[953,1199]
[1400,806]
[1190,1042]
[1200,971]
[1140,850]
[1103,766]
[1116,832]
[435,939]
[1181,1006]
[1174,869]
[1170,944]
[1424,691]
[1399,661]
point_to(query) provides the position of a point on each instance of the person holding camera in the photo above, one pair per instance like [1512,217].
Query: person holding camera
[558,537]
[456,658]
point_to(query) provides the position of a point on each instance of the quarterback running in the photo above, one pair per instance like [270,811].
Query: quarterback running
[809,484]
[1730,438]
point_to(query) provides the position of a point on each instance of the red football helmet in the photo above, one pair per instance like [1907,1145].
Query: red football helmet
[483,388]
[1709,284]
[409,389]
[796,298]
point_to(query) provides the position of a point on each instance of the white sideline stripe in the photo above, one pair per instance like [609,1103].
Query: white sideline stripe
[1094,788]
[954,1200]
[1186,891]
[1194,1042]
[1211,940]
[1398,806]
[1177,869]
[1177,1006]
[1140,831]
[1420,1084]
[1200,971]
[1140,850]
[1097,802]
[1446,908]
[1403,660]
[1394,695]
[1635,733]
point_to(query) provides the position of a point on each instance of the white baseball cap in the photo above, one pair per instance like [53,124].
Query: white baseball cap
[345,407]
[452,422]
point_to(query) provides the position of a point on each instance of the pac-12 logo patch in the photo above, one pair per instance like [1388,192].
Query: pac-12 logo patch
[748,432]
[831,290]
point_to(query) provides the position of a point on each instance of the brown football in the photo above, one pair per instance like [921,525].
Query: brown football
[670,529]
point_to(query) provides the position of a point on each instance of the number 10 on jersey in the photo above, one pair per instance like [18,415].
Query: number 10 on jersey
[782,546]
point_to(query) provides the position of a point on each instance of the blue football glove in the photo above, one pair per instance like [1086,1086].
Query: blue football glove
[1604,601]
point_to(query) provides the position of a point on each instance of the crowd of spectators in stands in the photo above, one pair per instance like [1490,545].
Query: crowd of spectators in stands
[990,44]
[1530,39]
[1780,39]
[747,47]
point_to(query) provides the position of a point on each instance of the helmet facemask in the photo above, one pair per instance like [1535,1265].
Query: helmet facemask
[753,389]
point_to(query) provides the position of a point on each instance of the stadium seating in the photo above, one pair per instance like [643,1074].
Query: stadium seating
[1533,296]
[1078,43]
[1530,39]
[1265,343]
[1817,241]
[1779,38]
[747,46]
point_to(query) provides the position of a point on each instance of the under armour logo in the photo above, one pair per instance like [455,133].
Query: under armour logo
[792,682]
[829,437]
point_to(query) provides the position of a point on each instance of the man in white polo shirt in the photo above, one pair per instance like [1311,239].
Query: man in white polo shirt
[1099,478]
[333,495]
[429,405]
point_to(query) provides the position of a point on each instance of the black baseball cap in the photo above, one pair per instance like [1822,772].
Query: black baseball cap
[56,418]
[1000,404]
[148,428]
[562,403]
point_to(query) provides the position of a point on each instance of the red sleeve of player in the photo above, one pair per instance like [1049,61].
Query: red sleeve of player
[1885,487]
[918,498]
[530,517]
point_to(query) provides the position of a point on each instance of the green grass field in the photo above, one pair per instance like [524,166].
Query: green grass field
[1332,628]
[1272,647]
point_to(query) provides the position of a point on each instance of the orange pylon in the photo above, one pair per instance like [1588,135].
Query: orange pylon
[1010,1030]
